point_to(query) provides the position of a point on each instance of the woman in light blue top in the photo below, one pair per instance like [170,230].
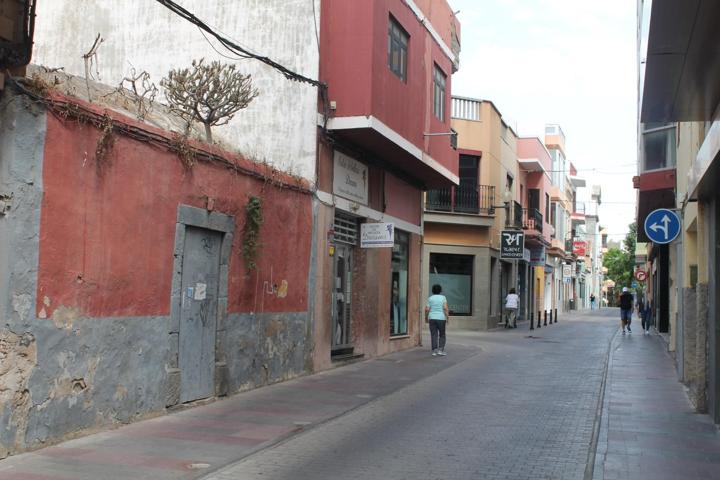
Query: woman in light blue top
[437,315]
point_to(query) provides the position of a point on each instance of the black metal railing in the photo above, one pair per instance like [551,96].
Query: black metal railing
[462,199]
[439,199]
[532,219]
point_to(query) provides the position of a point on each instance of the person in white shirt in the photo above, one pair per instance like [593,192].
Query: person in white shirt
[511,306]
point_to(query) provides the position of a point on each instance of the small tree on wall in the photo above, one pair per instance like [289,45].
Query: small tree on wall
[209,93]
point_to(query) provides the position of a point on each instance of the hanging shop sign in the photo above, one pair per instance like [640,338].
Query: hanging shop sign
[537,256]
[377,235]
[512,244]
[579,248]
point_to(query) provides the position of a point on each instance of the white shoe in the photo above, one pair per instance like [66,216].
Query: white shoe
[442,353]
[435,353]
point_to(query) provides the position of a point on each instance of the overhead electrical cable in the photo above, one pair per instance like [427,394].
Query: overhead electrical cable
[237,49]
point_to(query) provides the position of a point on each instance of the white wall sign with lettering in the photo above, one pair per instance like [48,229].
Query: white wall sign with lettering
[377,235]
[350,178]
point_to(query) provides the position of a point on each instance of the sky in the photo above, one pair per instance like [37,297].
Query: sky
[569,62]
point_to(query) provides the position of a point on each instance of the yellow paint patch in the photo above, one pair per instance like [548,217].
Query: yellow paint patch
[283,289]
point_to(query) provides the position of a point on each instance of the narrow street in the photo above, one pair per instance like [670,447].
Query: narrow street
[505,404]
[524,407]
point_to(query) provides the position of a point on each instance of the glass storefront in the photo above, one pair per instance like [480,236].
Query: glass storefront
[454,274]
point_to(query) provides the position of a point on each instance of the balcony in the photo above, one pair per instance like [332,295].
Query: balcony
[478,200]
[532,219]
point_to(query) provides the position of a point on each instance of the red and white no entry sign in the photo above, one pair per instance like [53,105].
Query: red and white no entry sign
[640,275]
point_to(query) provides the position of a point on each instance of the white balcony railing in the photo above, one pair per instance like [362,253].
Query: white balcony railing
[466,108]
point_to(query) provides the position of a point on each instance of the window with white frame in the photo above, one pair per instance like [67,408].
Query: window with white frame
[439,79]
[658,146]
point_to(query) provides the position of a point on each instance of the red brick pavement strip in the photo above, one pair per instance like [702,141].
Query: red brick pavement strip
[190,443]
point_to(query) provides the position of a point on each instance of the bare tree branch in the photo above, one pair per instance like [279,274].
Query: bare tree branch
[210,93]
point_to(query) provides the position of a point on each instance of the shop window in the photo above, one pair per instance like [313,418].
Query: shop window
[454,273]
[399,284]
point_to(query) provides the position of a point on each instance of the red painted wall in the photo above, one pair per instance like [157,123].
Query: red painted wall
[353,62]
[403,200]
[106,241]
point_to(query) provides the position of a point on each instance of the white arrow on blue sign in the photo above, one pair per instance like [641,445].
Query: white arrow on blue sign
[662,226]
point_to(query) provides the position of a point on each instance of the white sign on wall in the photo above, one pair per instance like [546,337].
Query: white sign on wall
[566,271]
[350,178]
[377,235]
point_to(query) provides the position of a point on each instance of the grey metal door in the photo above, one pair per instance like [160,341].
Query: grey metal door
[200,275]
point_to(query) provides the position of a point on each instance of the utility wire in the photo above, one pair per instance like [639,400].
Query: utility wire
[237,49]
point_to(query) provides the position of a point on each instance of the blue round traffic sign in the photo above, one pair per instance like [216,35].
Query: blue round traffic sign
[662,226]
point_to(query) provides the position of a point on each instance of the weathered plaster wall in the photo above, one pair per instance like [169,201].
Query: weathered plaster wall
[265,348]
[106,241]
[278,126]
[86,267]
[22,133]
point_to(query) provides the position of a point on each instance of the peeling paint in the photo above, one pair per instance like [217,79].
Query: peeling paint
[22,304]
[64,317]
[18,359]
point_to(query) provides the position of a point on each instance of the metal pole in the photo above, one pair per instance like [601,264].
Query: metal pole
[545,318]
[532,320]
[556,315]
[539,323]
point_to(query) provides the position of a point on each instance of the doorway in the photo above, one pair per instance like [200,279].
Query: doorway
[199,287]
[342,300]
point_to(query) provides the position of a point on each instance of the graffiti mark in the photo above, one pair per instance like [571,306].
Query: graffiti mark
[207,245]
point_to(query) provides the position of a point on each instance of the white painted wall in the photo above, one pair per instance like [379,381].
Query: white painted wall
[279,126]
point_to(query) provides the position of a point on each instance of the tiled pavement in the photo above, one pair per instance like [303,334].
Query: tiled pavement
[648,428]
[187,444]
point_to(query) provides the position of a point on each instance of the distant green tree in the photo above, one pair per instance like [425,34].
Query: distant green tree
[621,262]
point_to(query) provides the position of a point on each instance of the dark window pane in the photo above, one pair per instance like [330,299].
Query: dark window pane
[454,273]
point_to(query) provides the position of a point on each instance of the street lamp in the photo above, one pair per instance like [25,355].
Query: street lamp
[507,199]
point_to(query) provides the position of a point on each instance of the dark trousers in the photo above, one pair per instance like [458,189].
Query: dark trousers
[437,329]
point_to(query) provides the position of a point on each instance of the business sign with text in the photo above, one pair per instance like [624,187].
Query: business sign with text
[512,244]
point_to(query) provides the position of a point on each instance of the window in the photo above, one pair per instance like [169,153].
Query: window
[397,49]
[454,273]
[466,194]
[658,144]
[439,93]
[399,284]
[547,206]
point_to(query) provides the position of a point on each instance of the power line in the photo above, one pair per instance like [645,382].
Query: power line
[237,49]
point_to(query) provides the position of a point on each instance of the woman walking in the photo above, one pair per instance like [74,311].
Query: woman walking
[437,315]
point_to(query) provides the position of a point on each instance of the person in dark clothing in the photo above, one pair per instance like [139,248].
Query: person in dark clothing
[626,308]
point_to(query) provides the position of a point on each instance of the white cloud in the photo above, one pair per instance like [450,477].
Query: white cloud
[561,61]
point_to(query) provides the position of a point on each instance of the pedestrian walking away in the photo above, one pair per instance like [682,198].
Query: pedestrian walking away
[592,301]
[626,308]
[643,309]
[511,306]
[437,315]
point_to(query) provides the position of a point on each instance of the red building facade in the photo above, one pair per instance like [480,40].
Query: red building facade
[385,130]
